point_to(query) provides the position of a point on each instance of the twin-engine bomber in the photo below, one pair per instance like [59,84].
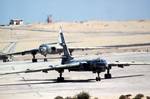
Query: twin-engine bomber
[95,65]
[48,48]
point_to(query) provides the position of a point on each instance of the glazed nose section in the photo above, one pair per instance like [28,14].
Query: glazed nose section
[43,50]
[101,66]
[100,63]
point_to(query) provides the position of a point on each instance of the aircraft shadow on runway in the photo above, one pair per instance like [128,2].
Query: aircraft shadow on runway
[50,81]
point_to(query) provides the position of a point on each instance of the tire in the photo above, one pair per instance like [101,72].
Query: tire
[45,59]
[108,76]
[60,79]
[98,79]
[34,60]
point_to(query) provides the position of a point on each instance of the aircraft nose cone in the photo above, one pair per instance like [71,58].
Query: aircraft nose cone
[43,49]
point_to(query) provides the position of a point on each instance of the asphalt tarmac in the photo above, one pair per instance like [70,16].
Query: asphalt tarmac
[129,80]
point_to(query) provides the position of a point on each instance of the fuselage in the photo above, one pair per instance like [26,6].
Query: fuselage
[45,49]
[94,65]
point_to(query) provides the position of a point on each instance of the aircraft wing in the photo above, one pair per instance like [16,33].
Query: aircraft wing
[45,70]
[71,49]
[122,64]
[110,46]
[25,52]
[85,48]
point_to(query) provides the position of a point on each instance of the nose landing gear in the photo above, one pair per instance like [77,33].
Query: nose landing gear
[33,54]
[98,78]
[45,59]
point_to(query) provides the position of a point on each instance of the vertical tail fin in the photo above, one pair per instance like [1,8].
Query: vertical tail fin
[66,56]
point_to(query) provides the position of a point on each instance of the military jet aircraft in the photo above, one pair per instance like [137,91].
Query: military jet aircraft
[49,48]
[95,65]
[8,49]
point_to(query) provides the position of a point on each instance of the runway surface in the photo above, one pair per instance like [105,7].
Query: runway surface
[129,80]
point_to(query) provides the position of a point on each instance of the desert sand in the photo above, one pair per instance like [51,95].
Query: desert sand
[84,34]
[90,33]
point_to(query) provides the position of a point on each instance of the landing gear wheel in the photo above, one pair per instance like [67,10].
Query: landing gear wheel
[108,76]
[60,79]
[34,60]
[98,79]
[4,60]
[45,59]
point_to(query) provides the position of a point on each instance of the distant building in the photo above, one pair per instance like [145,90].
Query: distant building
[49,19]
[15,22]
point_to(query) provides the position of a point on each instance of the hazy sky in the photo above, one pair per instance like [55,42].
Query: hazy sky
[71,10]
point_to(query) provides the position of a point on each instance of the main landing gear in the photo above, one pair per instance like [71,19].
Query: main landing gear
[45,59]
[108,75]
[5,60]
[98,78]
[34,59]
[60,78]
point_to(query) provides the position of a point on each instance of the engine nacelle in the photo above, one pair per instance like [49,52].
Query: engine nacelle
[47,49]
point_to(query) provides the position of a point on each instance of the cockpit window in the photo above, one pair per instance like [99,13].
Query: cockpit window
[98,60]
[102,60]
